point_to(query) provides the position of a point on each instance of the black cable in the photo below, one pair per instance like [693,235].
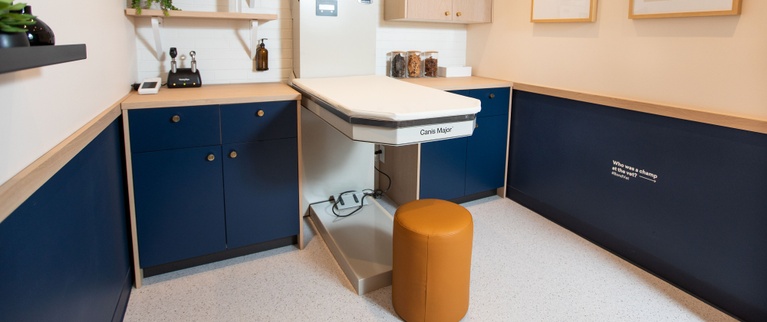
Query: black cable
[319,202]
[335,204]
[377,193]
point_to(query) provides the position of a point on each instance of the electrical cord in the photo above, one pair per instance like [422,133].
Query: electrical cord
[376,194]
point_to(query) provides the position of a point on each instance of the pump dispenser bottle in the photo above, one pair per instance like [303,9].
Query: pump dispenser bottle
[262,56]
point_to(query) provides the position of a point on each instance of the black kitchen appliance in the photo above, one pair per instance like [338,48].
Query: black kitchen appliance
[183,77]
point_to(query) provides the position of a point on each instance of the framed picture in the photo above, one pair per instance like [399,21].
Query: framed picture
[641,9]
[563,11]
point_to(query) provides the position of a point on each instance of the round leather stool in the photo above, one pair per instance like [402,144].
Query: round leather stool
[431,260]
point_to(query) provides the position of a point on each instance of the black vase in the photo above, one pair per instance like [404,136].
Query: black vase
[13,39]
[39,34]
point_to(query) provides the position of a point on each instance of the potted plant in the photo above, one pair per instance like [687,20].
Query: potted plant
[13,25]
[165,5]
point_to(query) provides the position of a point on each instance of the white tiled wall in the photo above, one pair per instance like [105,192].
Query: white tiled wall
[223,46]
[448,39]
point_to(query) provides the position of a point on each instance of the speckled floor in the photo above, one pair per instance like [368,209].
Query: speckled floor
[524,268]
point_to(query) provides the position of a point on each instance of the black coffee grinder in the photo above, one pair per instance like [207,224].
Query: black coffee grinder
[183,77]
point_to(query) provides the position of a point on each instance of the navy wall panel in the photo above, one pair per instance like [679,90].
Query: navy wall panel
[686,201]
[64,253]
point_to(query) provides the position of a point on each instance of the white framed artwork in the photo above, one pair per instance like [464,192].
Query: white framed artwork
[642,9]
[563,11]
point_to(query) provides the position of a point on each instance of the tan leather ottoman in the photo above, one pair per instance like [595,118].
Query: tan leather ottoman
[431,260]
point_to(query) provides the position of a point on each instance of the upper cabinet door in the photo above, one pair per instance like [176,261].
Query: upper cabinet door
[455,11]
[473,11]
[429,9]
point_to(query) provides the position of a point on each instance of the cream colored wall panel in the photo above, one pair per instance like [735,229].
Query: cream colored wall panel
[713,64]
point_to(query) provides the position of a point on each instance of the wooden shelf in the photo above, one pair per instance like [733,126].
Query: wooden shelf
[202,15]
[157,17]
[20,58]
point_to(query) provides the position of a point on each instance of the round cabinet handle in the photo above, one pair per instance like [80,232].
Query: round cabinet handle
[260,113]
[458,14]
[476,125]
[211,157]
[491,95]
[176,118]
[233,154]
[447,13]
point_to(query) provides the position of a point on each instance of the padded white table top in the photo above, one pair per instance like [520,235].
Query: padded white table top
[383,98]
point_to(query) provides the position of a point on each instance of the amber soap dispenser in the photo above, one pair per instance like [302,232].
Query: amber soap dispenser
[262,56]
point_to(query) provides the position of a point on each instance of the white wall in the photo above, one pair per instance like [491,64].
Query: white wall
[43,106]
[448,39]
[222,46]
[716,64]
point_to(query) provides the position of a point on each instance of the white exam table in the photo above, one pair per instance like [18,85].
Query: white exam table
[366,110]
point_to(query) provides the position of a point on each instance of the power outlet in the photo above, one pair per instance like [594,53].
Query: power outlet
[382,155]
[351,200]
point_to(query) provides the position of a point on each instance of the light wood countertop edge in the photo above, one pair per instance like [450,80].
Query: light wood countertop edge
[458,83]
[212,94]
[725,120]
[21,186]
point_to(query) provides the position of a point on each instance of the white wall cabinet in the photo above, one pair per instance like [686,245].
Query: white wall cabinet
[451,11]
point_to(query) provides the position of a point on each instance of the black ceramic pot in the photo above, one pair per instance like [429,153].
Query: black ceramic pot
[39,34]
[14,39]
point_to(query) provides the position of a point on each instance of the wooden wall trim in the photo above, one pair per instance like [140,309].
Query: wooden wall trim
[731,121]
[21,186]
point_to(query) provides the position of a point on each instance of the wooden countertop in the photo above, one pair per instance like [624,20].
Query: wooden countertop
[458,83]
[212,94]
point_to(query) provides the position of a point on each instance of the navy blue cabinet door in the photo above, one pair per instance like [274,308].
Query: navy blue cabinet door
[261,184]
[486,155]
[461,167]
[179,204]
[443,169]
[258,121]
[173,128]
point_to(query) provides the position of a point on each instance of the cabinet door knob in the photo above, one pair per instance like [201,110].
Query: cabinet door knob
[211,157]
[447,13]
[476,125]
[176,118]
[491,95]
[233,154]
[260,113]
[458,14]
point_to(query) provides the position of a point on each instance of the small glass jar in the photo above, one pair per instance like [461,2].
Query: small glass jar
[430,63]
[414,64]
[397,64]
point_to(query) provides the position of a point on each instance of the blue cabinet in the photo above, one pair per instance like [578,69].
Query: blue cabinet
[469,167]
[260,171]
[210,179]
[179,204]
[443,169]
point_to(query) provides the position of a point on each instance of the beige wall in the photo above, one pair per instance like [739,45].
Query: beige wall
[41,107]
[716,64]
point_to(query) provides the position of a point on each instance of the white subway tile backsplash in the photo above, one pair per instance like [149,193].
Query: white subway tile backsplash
[223,46]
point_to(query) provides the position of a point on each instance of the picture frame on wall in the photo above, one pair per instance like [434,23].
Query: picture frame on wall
[644,9]
[563,11]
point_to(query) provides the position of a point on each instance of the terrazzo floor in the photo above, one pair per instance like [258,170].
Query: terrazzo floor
[524,268]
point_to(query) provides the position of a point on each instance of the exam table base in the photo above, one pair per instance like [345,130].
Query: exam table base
[361,243]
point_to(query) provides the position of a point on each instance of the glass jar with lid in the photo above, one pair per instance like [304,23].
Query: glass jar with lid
[430,63]
[397,63]
[414,64]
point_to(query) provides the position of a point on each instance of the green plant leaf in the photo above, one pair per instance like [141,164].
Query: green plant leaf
[17,7]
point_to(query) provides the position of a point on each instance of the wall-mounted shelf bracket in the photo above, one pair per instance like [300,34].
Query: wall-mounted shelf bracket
[156,22]
[253,38]
[157,17]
